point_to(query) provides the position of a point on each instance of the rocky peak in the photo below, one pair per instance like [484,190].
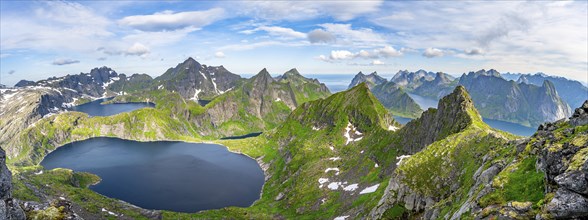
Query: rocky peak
[454,113]
[441,78]
[357,106]
[24,83]
[372,80]
[263,77]
[191,62]
[523,79]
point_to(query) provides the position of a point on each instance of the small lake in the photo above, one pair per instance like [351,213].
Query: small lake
[94,108]
[510,127]
[402,120]
[164,175]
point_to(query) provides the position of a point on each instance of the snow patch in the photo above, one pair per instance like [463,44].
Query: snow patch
[214,84]
[278,99]
[341,217]
[401,158]
[392,128]
[335,158]
[370,189]
[322,181]
[315,128]
[70,104]
[334,185]
[201,73]
[39,173]
[196,92]
[109,212]
[160,87]
[332,169]
[351,187]
[332,148]
[376,165]
[347,135]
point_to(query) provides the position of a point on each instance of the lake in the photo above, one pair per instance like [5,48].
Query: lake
[164,175]
[94,108]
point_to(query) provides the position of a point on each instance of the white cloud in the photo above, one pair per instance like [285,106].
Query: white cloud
[377,62]
[384,52]
[520,36]
[138,49]
[320,36]
[219,54]
[433,52]
[346,35]
[250,46]
[61,62]
[474,51]
[54,25]
[168,20]
[341,55]
[305,10]
[277,31]
[388,51]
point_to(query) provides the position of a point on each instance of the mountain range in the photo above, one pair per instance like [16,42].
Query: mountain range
[325,156]
[496,98]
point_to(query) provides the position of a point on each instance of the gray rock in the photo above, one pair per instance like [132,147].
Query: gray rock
[567,204]
[279,197]
[575,181]
[9,207]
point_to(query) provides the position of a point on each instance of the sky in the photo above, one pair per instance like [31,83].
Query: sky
[40,39]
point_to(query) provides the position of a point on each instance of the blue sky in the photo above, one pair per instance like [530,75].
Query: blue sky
[39,39]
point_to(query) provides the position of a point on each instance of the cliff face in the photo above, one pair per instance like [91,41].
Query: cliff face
[22,107]
[9,207]
[454,113]
[504,100]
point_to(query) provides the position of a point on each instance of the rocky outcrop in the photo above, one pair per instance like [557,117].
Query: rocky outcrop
[454,113]
[565,166]
[9,207]
[371,80]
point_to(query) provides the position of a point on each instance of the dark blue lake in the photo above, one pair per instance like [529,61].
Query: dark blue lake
[164,175]
[95,108]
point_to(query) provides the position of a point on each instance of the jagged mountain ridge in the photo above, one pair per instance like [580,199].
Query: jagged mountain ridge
[371,80]
[196,81]
[504,100]
[571,91]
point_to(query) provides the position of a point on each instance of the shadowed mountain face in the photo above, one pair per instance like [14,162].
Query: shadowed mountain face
[571,91]
[504,100]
